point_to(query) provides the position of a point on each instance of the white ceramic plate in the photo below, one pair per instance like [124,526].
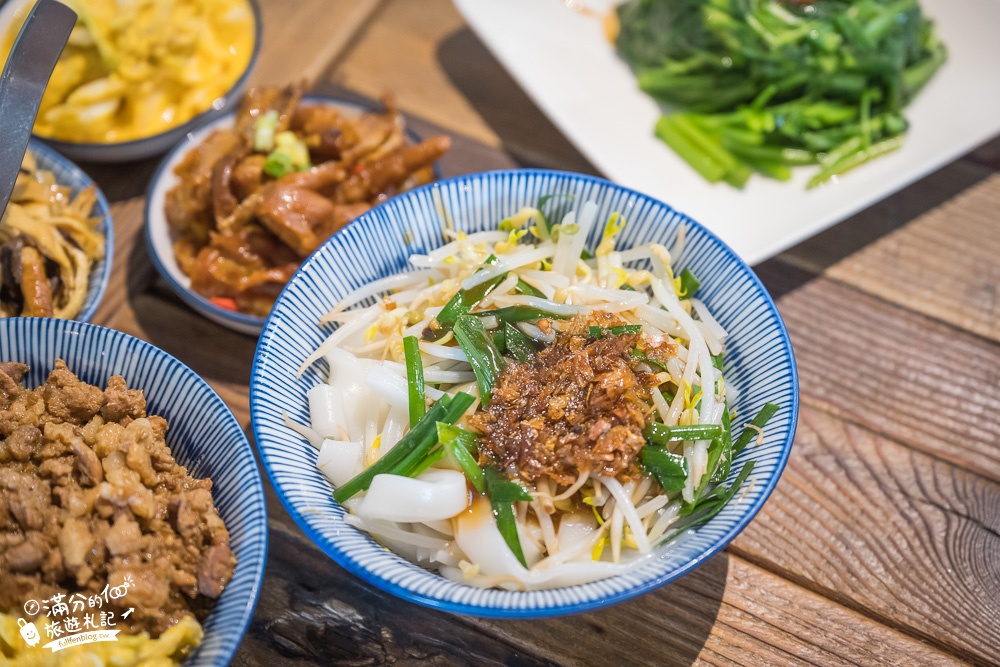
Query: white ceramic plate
[563,60]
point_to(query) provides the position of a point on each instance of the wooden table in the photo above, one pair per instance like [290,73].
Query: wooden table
[880,545]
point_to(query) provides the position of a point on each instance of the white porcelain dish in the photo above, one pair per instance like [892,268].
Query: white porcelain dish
[559,54]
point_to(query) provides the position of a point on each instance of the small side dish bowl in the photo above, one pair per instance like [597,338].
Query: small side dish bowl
[759,364]
[160,238]
[157,144]
[67,173]
[203,436]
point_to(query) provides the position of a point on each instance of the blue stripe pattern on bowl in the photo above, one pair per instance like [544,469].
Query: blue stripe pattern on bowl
[67,173]
[759,363]
[203,435]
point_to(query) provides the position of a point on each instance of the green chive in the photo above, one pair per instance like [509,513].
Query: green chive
[462,444]
[484,357]
[502,493]
[601,332]
[670,470]
[422,436]
[759,421]
[415,379]
[661,434]
[518,344]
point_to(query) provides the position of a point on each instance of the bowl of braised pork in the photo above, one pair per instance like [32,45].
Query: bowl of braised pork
[234,210]
[132,503]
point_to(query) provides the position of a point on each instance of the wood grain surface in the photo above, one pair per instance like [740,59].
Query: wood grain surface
[904,538]
[755,618]
[945,265]
[880,545]
[901,374]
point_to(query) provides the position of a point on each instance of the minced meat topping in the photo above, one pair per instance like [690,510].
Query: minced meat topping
[577,406]
[90,496]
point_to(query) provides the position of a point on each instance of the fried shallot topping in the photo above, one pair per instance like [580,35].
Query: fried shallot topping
[577,406]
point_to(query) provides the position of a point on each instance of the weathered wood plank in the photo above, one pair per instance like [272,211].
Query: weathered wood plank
[817,253]
[910,378]
[943,264]
[902,537]
[131,269]
[312,612]
[423,54]
[302,38]
[728,612]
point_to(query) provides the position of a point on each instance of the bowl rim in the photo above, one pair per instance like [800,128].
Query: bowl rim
[330,548]
[101,207]
[188,295]
[258,497]
[190,124]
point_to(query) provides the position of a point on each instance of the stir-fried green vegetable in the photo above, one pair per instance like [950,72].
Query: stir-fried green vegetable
[767,85]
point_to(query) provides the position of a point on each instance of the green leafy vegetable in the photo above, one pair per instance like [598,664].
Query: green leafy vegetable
[513,314]
[601,332]
[689,284]
[528,290]
[519,345]
[422,437]
[769,85]
[412,448]
[465,300]
[759,421]
[639,355]
[712,503]
[661,434]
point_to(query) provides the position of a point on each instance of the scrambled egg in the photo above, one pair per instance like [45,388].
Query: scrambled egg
[168,650]
[135,68]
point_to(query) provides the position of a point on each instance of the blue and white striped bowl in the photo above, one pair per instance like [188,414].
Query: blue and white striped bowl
[203,435]
[67,173]
[759,363]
